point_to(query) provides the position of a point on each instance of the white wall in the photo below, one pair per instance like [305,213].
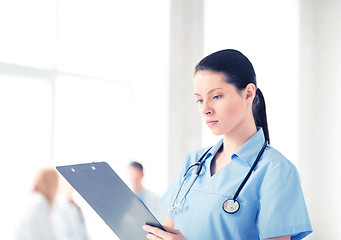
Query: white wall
[186,47]
[320,114]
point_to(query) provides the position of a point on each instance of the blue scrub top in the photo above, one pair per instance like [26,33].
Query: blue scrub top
[271,201]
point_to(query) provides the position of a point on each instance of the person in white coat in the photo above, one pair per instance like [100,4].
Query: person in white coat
[35,222]
[67,216]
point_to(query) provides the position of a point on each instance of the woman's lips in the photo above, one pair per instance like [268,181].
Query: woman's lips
[211,123]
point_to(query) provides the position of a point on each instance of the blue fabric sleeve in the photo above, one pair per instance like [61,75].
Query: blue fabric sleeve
[282,209]
[168,198]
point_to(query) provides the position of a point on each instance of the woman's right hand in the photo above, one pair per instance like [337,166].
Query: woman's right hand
[157,233]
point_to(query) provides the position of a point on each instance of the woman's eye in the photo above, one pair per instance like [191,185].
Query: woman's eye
[217,97]
[199,100]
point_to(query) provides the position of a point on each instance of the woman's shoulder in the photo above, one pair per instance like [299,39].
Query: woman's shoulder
[274,158]
[198,152]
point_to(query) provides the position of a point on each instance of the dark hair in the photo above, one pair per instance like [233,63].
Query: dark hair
[136,165]
[238,70]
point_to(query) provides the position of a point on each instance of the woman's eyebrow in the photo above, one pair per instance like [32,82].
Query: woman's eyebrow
[212,90]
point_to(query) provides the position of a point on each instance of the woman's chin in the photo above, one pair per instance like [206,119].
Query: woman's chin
[216,132]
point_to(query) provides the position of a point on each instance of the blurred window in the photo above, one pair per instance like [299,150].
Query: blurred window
[81,81]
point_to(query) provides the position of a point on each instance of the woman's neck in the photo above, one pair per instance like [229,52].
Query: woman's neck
[240,134]
[231,143]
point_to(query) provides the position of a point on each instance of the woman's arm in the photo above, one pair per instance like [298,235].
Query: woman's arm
[287,237]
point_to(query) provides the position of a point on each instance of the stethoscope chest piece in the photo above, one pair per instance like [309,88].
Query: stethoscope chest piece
[231,206]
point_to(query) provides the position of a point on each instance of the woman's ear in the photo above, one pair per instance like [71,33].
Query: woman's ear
[250,92]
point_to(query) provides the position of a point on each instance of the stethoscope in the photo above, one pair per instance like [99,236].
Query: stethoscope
[230,205]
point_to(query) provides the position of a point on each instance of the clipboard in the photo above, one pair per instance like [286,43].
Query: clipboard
[111,199]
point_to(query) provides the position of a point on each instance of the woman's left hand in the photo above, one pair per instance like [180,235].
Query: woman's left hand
[156,233]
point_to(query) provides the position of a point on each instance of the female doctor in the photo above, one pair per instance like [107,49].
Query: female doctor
[243,188]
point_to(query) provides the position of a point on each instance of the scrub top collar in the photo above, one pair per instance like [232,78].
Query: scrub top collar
[213,151]
[247,153]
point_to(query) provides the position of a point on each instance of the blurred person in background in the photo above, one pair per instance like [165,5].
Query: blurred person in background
[36,223]
[68,219]
[151,200]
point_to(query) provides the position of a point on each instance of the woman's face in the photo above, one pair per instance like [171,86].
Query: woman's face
[222,106]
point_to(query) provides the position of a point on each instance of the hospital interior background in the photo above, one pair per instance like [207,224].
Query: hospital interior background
[84,81]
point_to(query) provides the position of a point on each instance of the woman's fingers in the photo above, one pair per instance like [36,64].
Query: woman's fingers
[171,230]
[156,233]
[151,236]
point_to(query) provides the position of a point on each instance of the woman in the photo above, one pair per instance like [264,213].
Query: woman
[36,221]
[67,216]
[270,205]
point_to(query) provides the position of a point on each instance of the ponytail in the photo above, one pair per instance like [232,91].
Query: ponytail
[259,113]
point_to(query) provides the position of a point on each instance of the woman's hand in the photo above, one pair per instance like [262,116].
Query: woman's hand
[156,233]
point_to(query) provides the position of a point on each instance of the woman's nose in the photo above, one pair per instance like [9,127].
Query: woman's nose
[206,109]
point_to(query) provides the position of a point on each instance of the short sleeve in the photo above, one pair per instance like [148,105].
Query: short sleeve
[168,198]
[282,208]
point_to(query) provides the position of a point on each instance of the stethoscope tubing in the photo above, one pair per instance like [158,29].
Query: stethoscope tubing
[250,171]
[199,164]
